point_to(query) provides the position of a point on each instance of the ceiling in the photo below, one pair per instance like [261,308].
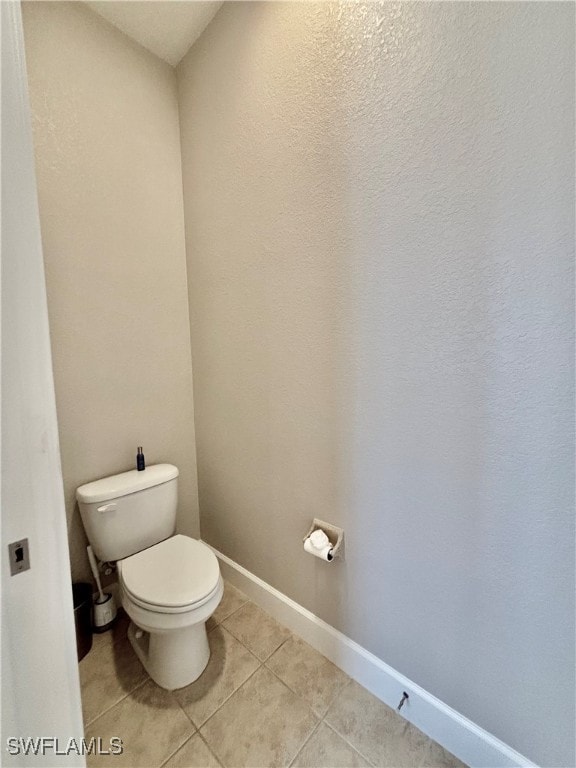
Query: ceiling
[167,28]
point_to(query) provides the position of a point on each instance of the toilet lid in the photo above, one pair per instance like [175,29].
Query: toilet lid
[177,572]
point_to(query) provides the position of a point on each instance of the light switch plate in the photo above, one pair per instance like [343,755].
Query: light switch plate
[19,555]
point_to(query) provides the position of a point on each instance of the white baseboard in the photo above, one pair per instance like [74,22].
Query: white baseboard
[470,743]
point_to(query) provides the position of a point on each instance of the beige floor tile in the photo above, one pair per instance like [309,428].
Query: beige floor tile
[107,674]
[410,746]
[436,756]
[375,730]
[325,749]
[229,666]
[308,673]
[262,724]
[231,601]
[151,725]
[194,754]
[257,630]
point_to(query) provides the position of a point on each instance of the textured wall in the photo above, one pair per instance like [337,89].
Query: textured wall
[167,28]
[379,207]
[105,117]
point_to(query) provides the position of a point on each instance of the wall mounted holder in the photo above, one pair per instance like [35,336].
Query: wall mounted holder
[335,535]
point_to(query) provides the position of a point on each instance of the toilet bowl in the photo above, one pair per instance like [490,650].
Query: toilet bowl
[170,584]
[169,591]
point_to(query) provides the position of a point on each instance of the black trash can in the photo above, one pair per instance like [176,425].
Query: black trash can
[82,596]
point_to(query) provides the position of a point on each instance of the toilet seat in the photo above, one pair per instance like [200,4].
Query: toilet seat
[177,575]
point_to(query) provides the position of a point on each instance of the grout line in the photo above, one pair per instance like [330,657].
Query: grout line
[265,664]
[318,724]
[193,724]
[317,713]
[230,614]
[290,637]
[269,615]
[340,692]
[171,755]
[129,693]
[299,695]
[260,665]
[262,661]
[225,629]
[186,740]
[209,748]
[337,732]
[353,746]
[276,649]
[244,604]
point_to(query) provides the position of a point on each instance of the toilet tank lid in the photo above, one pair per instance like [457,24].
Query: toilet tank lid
[127,482]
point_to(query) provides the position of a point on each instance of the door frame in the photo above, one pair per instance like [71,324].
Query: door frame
[40,679]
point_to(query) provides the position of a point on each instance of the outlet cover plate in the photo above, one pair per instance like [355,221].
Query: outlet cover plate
[19,556]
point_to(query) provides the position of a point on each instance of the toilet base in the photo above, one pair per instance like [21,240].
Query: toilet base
[173,659]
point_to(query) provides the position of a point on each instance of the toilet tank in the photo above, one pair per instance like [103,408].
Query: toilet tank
[126,513]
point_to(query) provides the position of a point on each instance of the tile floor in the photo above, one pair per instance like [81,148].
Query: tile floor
[266,699]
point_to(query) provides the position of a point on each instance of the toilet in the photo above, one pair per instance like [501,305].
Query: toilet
[170,584]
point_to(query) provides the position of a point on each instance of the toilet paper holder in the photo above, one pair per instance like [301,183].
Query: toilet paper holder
[335,534]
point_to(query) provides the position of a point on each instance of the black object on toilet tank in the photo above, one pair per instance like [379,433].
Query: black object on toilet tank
[140,463]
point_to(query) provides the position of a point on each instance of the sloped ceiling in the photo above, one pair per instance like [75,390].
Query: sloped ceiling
[167,28]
